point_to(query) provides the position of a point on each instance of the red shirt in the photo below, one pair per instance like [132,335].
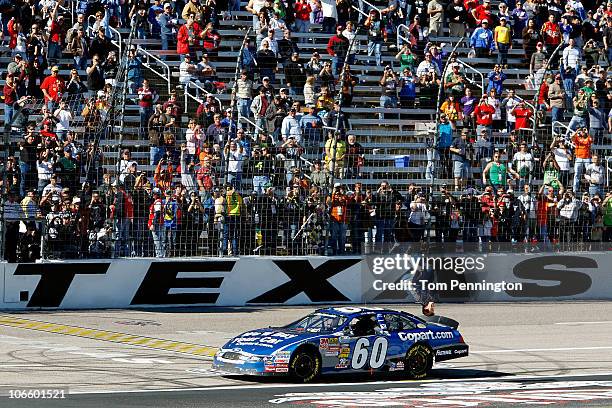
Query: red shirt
[54,87]
[10,95]
[522,118]
[146,97]
[484,114]
[55,32]
[482,13]
[302,11]
[551,33]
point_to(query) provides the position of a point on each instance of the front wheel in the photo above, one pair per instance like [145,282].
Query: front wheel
[305,366]
[418,361]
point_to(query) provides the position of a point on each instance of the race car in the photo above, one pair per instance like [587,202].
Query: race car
[344,340]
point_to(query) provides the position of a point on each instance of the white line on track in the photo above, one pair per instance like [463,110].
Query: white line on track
[327,385]
[581,323]
[542,349]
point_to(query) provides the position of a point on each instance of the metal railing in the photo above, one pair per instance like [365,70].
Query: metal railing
[119,41]
[400,29]
[166,77]
[556,124]
[475,72]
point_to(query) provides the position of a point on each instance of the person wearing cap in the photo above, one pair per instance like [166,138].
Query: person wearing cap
[244,95]
[481,40]
[583,143]
[52,88]
[337,202]
[538,59]
[167,23]
[262,108]
[502,37]
[435,11]
[337,48]
[376,35]
[290,126]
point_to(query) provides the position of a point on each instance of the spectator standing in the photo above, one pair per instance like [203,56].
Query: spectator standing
[461,165]
[595,176]
[496,173]
[337,203]
[389,84]
[52,88]
[457,16]
[147,98]
[503,41]
[337,47]
[376,35]
[330,15]
[481,40]
[295,75]
[582,142]
[95,75]
[435,11]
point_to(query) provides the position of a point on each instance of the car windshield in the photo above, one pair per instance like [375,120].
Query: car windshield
[318,323]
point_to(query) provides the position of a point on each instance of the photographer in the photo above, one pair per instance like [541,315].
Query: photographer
[389,84]
[569,208]
[582,141]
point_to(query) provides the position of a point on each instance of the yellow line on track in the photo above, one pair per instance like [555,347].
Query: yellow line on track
[109,336]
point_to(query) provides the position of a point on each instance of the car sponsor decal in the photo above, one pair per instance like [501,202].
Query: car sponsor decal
[264,339]
[343,363]
[330,344]
[344,352]
[396,366]
[425,335]
[282,357]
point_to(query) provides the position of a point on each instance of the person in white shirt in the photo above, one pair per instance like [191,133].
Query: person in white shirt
[235,157]
[64,116]
[571,55]
[54,187]
[523,164]
[595,174]
[530,204]
[186,71]
[428,66]
[291,126]
[44,168]
[330,16]
[563,157]
[569,207]
[193,140]
[510,103]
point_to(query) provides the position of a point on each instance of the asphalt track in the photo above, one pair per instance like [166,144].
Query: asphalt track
[525,354]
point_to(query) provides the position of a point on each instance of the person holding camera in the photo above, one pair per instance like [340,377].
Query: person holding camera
[496,173]
[337,203]
[389,84]
[569,208]
[582,141]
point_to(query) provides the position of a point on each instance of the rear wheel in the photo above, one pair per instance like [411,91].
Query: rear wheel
[305,365]
[418,361]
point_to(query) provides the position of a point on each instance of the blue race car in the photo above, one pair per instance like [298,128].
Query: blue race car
[344,340]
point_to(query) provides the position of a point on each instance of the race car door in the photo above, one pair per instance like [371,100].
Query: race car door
[369,343]
[393,324]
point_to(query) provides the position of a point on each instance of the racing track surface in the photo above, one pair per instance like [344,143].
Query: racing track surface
[521,354]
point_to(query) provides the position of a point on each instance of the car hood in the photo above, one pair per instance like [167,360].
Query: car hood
[266,341]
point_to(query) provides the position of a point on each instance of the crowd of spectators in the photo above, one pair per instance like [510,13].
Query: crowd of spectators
[241,178]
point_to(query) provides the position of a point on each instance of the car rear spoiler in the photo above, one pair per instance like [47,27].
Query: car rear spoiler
[447,321]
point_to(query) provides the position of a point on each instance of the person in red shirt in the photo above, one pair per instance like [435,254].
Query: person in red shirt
[10,97]
[147,97]
[522,113]
[551,32]
[56,37]
[52,87]
[582,151]
[302,17]
[482,12]
[187,39]
[484,116]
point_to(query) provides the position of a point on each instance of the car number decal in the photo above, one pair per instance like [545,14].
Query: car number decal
[377,355]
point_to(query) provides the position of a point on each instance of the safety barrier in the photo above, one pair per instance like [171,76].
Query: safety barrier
[258,281]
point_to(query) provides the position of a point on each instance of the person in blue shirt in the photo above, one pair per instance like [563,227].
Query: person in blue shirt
[445,139]
[134,72]
[407,93]
[312,126]
[496,80]
[154,10]
[482,40]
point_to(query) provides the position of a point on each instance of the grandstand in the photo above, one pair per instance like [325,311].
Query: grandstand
[403,140]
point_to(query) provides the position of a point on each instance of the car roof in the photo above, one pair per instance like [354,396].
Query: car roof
[353,311]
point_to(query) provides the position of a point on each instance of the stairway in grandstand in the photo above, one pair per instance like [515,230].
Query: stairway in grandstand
[383,140]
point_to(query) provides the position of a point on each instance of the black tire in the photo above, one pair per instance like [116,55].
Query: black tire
[418,361]
[305,365]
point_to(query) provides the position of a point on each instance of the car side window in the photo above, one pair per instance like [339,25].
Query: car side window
[397,323]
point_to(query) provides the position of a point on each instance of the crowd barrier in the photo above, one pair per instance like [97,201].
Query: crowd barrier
[259,281]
